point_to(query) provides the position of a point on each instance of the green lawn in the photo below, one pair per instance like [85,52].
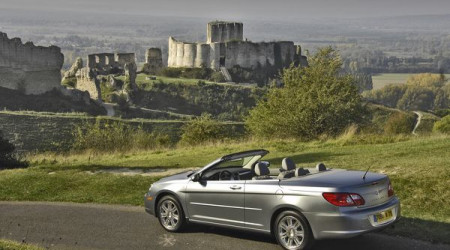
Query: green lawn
[381,80]
[12,245]
[419,168]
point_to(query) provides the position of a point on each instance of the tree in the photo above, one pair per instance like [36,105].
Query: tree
[314,100]
[7,159]
[201,129]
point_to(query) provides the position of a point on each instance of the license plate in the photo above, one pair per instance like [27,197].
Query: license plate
[383,216]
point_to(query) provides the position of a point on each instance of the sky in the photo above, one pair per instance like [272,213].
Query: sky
[243,9]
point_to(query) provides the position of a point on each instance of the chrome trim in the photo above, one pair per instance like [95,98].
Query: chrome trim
[219,219]
[226,225]
[224,206]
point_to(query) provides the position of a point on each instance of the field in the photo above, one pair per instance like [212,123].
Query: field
[419,168]
[381,80]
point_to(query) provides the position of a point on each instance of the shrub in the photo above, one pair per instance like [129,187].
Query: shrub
[443,126]
[70,82]
[217,77]
[7,158]
[315,100]
[399,123]
[112,136]
[171,72]
[201,129]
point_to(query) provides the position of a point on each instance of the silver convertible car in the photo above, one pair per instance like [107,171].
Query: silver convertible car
[295,205]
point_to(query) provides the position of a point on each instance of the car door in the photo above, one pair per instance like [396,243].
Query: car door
[216,202]
[261,197]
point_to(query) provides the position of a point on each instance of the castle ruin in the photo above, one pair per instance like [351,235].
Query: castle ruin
[109,63]
[225,48]
[29,68]
[153,61]
[105,64]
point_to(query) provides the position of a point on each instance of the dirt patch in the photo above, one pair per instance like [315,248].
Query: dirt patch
[143,172]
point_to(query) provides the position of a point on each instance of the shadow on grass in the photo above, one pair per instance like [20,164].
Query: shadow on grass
[437,234]
[311,158]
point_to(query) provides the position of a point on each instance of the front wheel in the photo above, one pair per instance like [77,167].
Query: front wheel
[292,231]
[170,214]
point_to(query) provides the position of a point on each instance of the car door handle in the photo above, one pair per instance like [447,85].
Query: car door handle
[235,187]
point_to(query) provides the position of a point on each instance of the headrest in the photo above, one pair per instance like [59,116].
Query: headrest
[321,167]
[288,164]
[261,169]
[301,171]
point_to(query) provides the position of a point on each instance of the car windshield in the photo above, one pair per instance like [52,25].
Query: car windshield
[244,162]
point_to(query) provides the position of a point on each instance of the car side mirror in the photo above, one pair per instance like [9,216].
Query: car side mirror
[196,177]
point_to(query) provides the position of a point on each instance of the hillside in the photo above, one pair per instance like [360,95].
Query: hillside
[52,101]
[418,167]
[45,131]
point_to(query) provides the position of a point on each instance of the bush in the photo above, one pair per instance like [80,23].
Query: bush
[107,136]
[70,82]
[399,123]
[171,72]
[7,158]
[443,126]
[217,77]
[315,100]
[201,129]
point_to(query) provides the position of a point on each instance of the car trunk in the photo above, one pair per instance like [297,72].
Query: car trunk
[373,189]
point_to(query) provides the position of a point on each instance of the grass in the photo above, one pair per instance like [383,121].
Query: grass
[13,245]
[142,81]
[381,80]
[419,168]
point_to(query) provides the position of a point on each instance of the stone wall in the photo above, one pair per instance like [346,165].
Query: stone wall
[29,68]
[105,63]
[87,81]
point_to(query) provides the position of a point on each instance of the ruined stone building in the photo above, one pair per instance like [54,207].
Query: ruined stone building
[153,61]
[110,63]
[29,68]
[225,47]
[105,64]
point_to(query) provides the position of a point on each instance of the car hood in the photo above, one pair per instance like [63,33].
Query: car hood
[180,176]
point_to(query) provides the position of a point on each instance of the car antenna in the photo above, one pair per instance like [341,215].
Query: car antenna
[364,176]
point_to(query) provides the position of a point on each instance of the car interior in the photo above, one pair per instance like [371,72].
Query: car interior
[251,168]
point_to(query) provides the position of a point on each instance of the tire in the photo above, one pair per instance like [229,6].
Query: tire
[295,229]
[170,214]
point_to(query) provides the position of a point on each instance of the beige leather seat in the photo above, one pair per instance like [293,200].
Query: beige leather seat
[262,172]
[288,169]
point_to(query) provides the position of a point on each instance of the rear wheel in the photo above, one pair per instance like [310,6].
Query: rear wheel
[170,214]
[292,231]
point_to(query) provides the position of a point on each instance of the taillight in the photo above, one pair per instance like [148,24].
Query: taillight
[344,199]
[390,189]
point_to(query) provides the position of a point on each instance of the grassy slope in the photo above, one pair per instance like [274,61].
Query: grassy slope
[419,169]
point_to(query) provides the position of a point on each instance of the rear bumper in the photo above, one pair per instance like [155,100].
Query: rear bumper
[351,223]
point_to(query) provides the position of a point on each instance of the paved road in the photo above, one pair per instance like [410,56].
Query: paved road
[81,226]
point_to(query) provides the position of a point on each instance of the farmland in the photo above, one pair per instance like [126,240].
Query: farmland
[381,80]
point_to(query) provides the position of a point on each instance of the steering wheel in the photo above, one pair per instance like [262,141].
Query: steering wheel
[225,175]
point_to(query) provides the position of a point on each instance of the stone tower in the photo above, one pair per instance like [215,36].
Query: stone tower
[220,31]
[153,61]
